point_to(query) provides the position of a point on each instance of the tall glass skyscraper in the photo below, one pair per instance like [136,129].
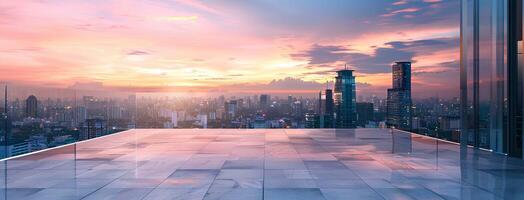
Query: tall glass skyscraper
[345,99]
[399,112]
[491,75]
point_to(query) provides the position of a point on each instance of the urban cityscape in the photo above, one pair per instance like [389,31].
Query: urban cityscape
[262,99]
[35,124]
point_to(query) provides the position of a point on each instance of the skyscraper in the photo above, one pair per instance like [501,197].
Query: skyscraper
[364,113]
[5,100]
[328,110]
[345,99]
[93,128]
[31,106]
[402,75]
[320,112]
[131,108]
[5,123]
[264,101]
[311,120]
[79,115]
[399,113]
[231,108]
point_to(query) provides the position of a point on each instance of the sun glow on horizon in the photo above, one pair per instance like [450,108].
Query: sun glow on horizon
[190,45]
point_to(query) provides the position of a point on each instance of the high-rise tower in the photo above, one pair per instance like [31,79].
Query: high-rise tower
[5,123]
[265,101]
[31,109]
[5,100]
[329,111]
[345,99]
[399,113]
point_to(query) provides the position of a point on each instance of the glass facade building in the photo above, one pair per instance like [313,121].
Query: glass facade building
[491,75]
[345,99]
[399,111]
[329,112]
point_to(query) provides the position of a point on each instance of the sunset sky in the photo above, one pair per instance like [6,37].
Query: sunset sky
[228,46]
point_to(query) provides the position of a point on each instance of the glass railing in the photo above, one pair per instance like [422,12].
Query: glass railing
[38,118]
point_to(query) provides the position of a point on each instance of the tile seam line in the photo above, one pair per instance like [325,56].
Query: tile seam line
[215,177]
[264,168]
[169,176]
[87,195]
[307,169]
[361,179]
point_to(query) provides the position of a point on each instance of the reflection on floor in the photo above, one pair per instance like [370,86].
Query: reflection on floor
[263,164]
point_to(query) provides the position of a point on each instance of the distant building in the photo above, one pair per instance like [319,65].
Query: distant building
[449,123]
[345,99]
[325,109]
[312,120]
[399,111]
[115,111]
[364,113]
[329,112]
[169,125]
[172,116]
[415,123]
[5,123]
[265,101]
[212,115]
[79,115]
[15,149]
[202,120]
[5,126]
[131,108]
[93,128]
[174,119]
[297,110]
[260,122]
[31,109]
[402,75]
[231,109]
[86,100]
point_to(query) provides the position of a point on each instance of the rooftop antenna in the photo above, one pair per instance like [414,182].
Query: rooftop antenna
[346,66]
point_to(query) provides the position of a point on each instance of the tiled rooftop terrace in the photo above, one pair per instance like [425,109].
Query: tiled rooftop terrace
[262,164]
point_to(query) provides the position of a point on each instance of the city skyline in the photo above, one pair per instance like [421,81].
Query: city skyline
[340,106]
[262,99]
[167,45]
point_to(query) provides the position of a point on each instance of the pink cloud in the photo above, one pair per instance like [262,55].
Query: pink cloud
[401,2]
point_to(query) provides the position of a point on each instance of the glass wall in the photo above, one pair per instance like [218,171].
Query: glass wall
[483,73]
[491,75]
[33,119]
[520,52]
[514,79]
